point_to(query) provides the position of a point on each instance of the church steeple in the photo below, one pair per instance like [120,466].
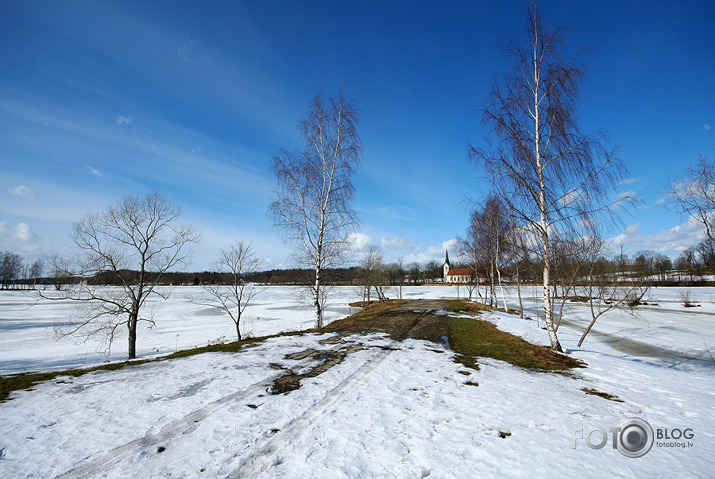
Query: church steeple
[446,266]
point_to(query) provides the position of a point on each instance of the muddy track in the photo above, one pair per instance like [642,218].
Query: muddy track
[180,427]
[412,317]
[256,463]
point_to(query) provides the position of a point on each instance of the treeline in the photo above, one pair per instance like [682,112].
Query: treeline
[414,273]
[691,268]
[15,273]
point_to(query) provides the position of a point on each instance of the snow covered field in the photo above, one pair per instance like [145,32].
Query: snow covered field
[390,409]
[27,326]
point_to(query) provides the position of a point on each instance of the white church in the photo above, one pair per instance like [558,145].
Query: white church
[456,275]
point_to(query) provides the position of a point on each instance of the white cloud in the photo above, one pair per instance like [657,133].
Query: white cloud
[706,127]
[21,192]
[24,233]
[124,120]
[360,242]
[94,171]
[17,238]
[628,181]
[184,52]
[434,253]
[661,200]
[438,251]
[671,241]
[394,243]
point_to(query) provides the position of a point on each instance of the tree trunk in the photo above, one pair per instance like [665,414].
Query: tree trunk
[518,292]
[133,335]
[238,329]
[316,299]
[548,311]
[501,286]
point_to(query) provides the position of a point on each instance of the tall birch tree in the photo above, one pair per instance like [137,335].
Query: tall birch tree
[312,204]
[551,176]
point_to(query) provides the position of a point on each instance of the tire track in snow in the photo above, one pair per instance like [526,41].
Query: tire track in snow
[256,462]
[174,429]
[261,459]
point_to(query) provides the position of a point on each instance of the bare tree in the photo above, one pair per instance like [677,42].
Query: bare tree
[518,239]
[471,249]
[374,275]
[604,289]
[695,195]
[551,176]
[233,294]
[486,244]
[61,271]
[400,271]
[136,241]
[10,268]
[570,257]
[312,205]
[36,271]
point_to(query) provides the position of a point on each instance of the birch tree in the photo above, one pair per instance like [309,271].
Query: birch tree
[136,241]
[312,204]
[551,176]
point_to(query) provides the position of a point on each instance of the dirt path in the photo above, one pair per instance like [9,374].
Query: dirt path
[418,319]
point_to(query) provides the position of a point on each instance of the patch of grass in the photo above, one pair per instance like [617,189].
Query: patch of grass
[456,306]
[600,394]
[466,360]
[475,307]
[374,308]
[22,381]
[472,338]
[471,383]
[376,316]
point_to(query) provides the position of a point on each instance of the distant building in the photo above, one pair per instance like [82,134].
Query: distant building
[457,275]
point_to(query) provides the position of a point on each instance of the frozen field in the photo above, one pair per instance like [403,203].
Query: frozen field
[27,325]
[390,409]
[28,341]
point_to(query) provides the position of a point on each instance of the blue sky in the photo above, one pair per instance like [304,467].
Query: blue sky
[193,99]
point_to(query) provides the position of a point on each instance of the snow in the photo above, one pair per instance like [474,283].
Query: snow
[390,409]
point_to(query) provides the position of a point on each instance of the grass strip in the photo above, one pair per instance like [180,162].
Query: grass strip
[471,338]
[17,382]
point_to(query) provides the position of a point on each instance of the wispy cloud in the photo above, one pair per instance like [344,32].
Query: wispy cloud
[21,192]
[394,243]
[22,234]
[671,241]
[124,120]
[94,171]
[706,127]
[184,52]
[628,181]
[433,253]
[360,242]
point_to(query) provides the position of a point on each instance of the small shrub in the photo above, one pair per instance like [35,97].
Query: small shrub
[686,297]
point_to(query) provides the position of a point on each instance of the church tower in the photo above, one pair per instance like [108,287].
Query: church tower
[446,264]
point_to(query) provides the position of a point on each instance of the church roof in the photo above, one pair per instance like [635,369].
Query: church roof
[460,271]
